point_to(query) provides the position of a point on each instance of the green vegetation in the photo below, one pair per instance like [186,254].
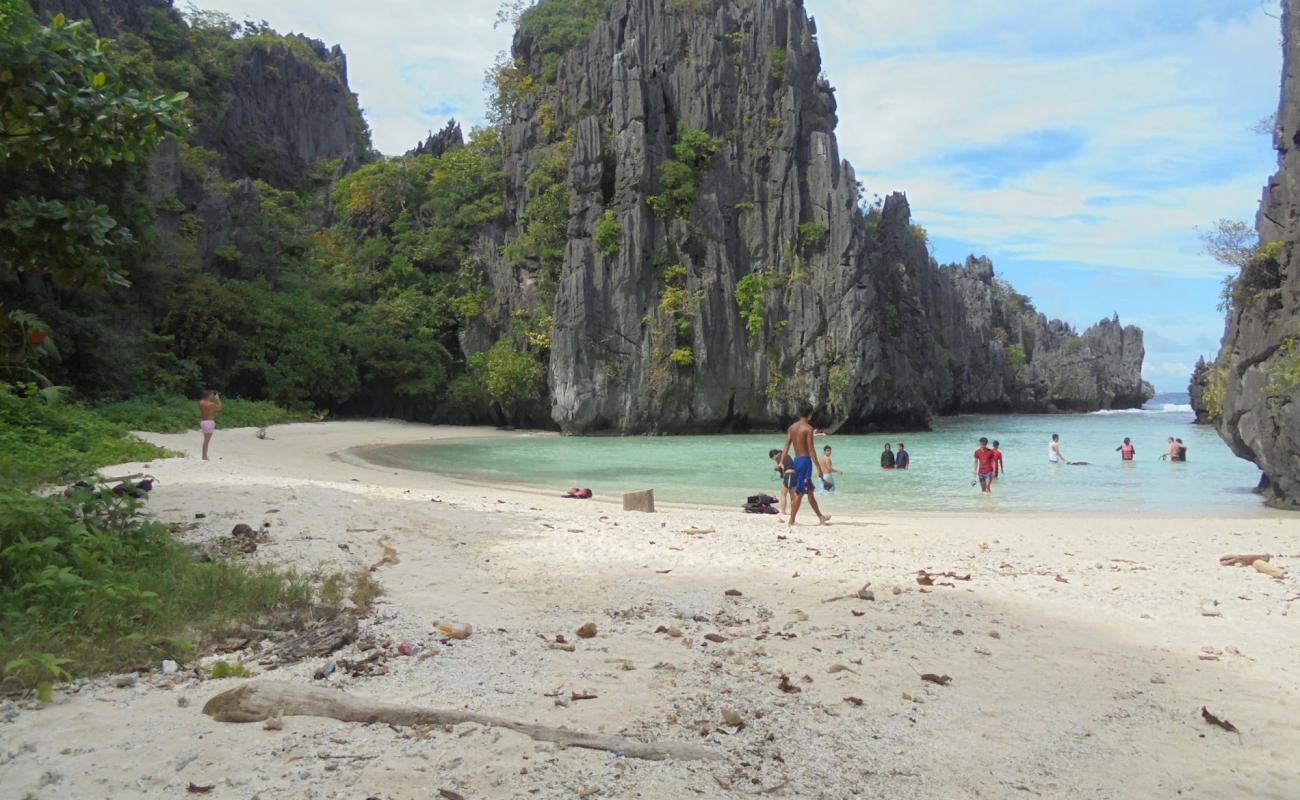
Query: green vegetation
[838,383]
[87,586]
[44,441]
[1283,370]
[683,172]
[74,120]
[1258,264]
[750,291]
[172,413]
[812,236]
[557,26]
[546,214]
[777,57]
[1072,346]
[508,374]
[683,356]
[1216,389]
[1015,356]
[609,234]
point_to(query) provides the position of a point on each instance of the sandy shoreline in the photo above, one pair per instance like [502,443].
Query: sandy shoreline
[1079,654]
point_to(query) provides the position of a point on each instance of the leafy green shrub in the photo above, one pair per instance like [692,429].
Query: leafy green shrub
[812,236]
[87,586]
[1072,346]
[838,382]
[510,376]
[1016,356]
[683,356]
[745,205]
[683,172]
[750,291]
[1216,389]
[609,234]
[46,442]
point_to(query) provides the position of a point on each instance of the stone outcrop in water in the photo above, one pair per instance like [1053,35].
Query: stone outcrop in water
[1259,365]
[719,267]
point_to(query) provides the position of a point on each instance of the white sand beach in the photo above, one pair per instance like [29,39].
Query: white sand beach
[1079,652]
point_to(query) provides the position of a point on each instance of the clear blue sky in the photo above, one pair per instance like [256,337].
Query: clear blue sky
[1079,145]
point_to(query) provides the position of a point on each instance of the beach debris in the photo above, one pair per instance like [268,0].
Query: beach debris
[371,665]
[455,630]
[587,631]
[243,539]
[1243,559]
[852,700]
[448,794]
[123,681]
[1221,723]
[320,641]
[926,578]
[930,677]
[169,667]
[1061,579]
[733,718]
[700,531]
[786,686]
[898,590]
[255,701]
[716,638]
[643,501]
[183,701]
[733,593]
[273,723]
[390,554]
[194,788]
[1268,569]
[407,648]
[567,647]
[858,613]
[576,696]
[835,668]
[1210,608]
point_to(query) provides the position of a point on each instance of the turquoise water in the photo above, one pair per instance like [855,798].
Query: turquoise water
[723,470]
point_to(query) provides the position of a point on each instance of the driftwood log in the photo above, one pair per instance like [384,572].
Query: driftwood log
[259,700]
[1243,559]
[319,642]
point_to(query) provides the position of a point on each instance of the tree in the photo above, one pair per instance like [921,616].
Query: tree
[69,117]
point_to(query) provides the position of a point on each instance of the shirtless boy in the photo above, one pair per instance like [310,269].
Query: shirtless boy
[209,405]
[800,436]
[828,480]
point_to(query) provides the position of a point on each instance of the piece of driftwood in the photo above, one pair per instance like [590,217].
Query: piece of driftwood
[640,501]
[257,700]
[320,641]
[1243,559]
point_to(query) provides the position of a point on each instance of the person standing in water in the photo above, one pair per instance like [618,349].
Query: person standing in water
[800,437]
[1054,451]
[997,460]
[985,463]
[887,457]
[828,479]
[901,458]
[1172,452]
[1127,450]
[209,405]
[1180,450]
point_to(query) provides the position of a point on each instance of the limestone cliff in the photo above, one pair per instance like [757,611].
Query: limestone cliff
[1259,364]
[719,266]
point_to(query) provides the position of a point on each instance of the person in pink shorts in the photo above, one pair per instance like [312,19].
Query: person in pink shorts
[209,405]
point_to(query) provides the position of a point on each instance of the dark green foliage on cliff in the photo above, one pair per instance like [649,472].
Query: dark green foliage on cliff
[683,172]
[557,25]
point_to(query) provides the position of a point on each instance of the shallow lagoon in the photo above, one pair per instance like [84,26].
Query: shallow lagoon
[723,470]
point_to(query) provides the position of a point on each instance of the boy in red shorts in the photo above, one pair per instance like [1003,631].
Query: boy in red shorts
[985,465]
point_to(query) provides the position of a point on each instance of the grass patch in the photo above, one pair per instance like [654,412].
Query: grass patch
[89,586]
[172,413]
[46,442]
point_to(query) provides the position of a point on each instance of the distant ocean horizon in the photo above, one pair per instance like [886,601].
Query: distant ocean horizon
[723,470]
